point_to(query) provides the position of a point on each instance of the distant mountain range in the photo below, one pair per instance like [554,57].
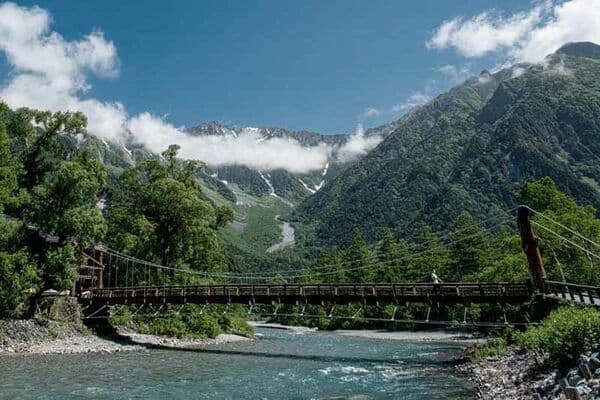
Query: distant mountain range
[289,187]
[471,148]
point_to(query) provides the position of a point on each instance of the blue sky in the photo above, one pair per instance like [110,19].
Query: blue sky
[314,65]
[140,71]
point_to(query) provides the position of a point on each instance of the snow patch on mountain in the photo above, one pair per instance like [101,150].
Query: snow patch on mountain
[272,189]
[312,191]
[216,176]
[127,150]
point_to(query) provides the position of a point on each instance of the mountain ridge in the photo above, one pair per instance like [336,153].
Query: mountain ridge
[470,148]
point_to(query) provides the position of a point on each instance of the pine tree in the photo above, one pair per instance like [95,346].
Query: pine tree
[358,260]
[467,249]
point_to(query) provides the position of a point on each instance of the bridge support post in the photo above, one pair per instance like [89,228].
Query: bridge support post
[100,271]
[530,245]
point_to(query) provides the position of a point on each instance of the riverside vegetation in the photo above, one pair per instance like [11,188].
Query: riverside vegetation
[57,196]
[556,360]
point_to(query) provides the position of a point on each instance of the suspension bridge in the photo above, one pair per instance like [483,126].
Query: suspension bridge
[111,278]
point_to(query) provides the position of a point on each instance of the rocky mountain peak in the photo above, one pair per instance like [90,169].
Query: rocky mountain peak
[581,49]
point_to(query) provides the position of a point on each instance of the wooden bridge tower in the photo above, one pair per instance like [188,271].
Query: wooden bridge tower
[530,245]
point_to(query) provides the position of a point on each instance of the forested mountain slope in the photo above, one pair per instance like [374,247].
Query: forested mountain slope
[471,148]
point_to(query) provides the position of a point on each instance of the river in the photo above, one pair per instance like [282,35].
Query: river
[281,364]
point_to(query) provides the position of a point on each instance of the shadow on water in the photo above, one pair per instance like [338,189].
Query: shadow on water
[127,340]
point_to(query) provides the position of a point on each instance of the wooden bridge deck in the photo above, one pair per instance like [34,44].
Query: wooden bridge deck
[367,293]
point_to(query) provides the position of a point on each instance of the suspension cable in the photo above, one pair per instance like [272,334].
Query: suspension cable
[563,226]
[297,275]
[565,239]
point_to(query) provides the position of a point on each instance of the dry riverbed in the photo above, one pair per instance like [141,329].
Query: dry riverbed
[438,335]
[51,337]
[412,336]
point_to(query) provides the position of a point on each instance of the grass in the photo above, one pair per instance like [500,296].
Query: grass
[261,230]
[492,348]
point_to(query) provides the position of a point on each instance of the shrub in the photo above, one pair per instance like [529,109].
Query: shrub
[491,348]
[202,325]
[123,317]
[566,334]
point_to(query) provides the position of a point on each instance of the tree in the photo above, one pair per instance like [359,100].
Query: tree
[224,215]
[358,260]
[393,259]
[466,250]
[19,276]
[64,203]
[18,280]
[566,254]
[427,255]
[60,267]
[157,211]
[39,145]
[8,170]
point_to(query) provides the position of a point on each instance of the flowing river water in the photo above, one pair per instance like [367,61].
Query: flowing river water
[281,364]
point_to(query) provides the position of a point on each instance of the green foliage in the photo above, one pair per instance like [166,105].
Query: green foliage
[565,335]
[157,213]
[467,249]
[190,322]
[19,279]
[57,185]
[61,267]
[358,257]
[8,170]
[48,196]
[223,217]
[64,203]
[491,348]
[569,259]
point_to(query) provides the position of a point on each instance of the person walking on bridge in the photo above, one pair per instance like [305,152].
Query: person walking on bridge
[435,278]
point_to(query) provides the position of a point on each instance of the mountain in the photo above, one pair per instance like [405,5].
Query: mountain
[261,200]
[470,149]
[290,188]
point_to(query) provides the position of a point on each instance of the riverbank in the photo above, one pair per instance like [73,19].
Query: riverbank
[521,375]
[52,337]
[440,335]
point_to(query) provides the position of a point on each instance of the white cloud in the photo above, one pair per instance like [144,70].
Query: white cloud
[456,74]
[371,112]
[485,32]
[572,21]
[50,72]
[414,100]
[517,71]
[249,148]
[525,36]
[358,145]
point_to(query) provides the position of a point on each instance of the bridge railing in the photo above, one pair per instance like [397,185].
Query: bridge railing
[344,290]
[574,292]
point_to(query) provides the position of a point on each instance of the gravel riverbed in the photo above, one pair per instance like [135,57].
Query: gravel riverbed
[519,375]
[52,337]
